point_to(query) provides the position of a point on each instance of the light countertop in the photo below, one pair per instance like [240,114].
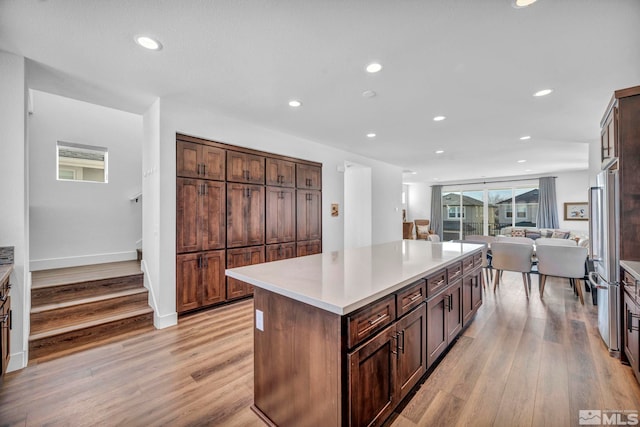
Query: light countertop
[632,267]
[343,281]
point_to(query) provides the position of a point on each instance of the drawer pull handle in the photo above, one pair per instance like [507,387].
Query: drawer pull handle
[440,282]
[457,273]
[380,318]
[415,297]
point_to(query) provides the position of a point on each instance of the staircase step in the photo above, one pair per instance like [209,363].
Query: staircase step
[50,343]
[67,284]
[67,313]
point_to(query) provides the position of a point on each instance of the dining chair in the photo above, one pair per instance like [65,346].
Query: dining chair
[486,254]
[512,257]
[509,239]
[562,261]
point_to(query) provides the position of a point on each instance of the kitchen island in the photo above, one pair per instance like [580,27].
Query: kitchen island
[340,338]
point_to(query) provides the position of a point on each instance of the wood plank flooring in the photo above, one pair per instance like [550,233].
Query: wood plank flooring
[519,363]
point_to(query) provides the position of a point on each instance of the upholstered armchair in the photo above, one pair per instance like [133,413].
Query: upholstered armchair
[422,228]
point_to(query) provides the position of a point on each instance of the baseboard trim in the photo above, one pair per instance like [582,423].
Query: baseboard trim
[159,321]
[17,361]
[76,261]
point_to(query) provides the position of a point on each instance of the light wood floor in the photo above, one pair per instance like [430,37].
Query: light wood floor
[519,364]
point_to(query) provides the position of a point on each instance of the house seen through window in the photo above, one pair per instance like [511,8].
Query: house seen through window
[78,162]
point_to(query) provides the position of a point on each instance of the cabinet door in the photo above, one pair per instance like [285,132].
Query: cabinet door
[255,215]
[631,326]
[281,213]
[236,220]
[240,258]
[412,345]
[476,291]
[212,277]
[188,282]
[213,163]
[280,173]
[281,251]
[437,310]
[372,379]
[609,134]
[244,167]
[309,215]
[309,248]
[188,209]
[454,313]
[308,177]
[467,297]
[188,163]
[213,215]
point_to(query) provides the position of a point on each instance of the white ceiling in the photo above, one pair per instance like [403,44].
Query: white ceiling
[476,62]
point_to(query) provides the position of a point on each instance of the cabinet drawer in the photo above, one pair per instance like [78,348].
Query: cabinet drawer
[362,324]
[477,260]
[411,297]
[629,282]
[467,264]
[454,272]
[436,282]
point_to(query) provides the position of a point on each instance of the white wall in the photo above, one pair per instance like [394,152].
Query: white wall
[572,187]
[357,206]
[419,201]
[74,222]
[178,117]
[13,198]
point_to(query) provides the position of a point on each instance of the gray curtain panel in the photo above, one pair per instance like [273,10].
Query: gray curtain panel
[436,209]
[547,204]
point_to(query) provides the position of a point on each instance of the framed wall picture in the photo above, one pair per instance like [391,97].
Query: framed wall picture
[576,211]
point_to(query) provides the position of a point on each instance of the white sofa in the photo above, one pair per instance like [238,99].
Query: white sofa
[581,237]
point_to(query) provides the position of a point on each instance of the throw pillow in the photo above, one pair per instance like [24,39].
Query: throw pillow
[423,229]
[560,234]
[518,232]
[532,234]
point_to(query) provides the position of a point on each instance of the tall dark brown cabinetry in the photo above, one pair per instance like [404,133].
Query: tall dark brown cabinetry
[237,207]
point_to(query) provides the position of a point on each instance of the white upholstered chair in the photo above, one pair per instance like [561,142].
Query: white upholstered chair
[486,257]
[562,261]
[433,238]
[509,239]
[555,242]
[512,257]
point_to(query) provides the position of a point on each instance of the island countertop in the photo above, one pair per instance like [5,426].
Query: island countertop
[344,281]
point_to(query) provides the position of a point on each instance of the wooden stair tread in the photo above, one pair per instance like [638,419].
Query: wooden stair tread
[88,300]
[89,324]
[88,273]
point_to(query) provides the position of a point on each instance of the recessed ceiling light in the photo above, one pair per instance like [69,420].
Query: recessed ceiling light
[374,67]
[436,179]
[521,161]
[522,3]
[524,138]
[439,118]
[439,151]
[368,94]
[409,171]
[148,43]
[528,170]
[543,92]
[295,103]
[371,135]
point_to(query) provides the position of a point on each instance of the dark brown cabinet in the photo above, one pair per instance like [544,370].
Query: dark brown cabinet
[309,215]
[308,177]
[471,295]
[608,142]
[230,197]
[245,215]
[280,173]
[200,215]
[281,215]
[199,161]
[411,332]
[5,333]
[245,167]
[280,251]
[240,258]
[200,279]
[444,320]
[631,335]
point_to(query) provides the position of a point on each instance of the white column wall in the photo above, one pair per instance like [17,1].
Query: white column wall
[14,198]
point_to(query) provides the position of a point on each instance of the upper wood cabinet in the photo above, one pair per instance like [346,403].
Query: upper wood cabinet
[280,173]
[308,177]
[309,215]
[244,167]
[281,215]
[245,215]
[200,215]
[199,161]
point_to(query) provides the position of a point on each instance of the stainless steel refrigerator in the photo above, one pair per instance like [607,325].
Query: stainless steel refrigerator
[604,232]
